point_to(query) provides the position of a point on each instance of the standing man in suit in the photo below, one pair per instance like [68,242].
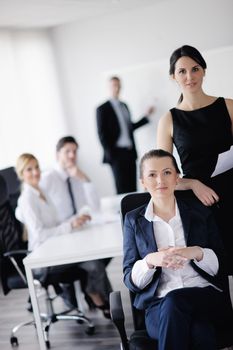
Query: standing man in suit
[115,130]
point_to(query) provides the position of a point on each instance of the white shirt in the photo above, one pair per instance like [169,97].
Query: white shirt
[54,183]
[123,118]
[172,234]
[39,217]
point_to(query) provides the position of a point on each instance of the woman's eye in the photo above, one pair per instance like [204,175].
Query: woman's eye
[167,172]
[181,71]
[195,69]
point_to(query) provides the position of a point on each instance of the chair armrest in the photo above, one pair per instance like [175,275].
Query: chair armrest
[118,317]
[12,256]
[12,253]
[116,308]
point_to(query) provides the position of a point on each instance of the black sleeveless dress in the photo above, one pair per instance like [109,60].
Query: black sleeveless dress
[200,136]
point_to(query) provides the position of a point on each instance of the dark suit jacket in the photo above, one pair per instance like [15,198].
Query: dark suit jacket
[199,229]
[109,130]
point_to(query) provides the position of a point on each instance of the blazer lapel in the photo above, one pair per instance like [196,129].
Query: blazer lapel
[146,231]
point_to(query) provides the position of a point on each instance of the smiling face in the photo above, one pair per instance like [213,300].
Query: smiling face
[159,177]
[188,74]
[31,173]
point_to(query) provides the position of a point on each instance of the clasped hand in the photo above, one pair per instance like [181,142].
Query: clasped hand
[174,258]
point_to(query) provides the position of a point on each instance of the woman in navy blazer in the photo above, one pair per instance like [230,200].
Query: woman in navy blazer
[174,262]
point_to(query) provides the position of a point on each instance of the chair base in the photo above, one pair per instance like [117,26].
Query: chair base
[14,340]
[79,318]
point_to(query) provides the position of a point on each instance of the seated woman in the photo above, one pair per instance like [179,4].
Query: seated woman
[35,210]
[174,262]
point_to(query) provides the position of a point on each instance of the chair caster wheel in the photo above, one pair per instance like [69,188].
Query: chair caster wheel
[14,341]
[80,321]
[47,343]
[90,330]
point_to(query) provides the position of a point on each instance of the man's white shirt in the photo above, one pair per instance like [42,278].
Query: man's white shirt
[54,183]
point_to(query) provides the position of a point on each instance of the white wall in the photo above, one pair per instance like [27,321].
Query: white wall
[87,52]
[31,108]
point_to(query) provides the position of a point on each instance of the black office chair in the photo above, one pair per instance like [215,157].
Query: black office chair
[13,274]
[139,339]
[13,185]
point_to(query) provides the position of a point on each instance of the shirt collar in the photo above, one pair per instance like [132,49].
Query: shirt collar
[115,101]
[62,173]
[150,216]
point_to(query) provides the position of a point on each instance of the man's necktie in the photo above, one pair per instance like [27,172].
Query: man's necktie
[71,196]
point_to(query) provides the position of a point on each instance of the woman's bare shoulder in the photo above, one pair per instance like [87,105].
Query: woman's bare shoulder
[229,104]
[229,101]
[166,118]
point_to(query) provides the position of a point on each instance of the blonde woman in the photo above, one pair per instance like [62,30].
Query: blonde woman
[36,211]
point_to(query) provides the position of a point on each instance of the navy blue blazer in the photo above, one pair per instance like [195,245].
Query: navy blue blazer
[109,130]
[199,229]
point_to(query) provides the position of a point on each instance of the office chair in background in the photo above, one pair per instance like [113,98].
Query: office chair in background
[139,339]
[13,274]
[13,185]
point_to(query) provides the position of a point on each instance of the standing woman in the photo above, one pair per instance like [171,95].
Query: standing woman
[36,211]
[201,128]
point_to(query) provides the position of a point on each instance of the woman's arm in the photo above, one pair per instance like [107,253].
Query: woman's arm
[165,141]
[32,218]
[133,261]
[164,133]
[229,103]
[204,193]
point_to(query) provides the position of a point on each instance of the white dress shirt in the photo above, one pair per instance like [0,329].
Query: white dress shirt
[39,217]
[171,234]
[124,119]
[54,183]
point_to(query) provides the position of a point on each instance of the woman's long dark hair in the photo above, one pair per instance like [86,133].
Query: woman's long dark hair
[188,51]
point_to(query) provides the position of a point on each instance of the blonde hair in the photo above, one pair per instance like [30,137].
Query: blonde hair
[22,162]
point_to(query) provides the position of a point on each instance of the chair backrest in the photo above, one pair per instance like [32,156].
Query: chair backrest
[132,201]
[129,202]
[10,233]
[13,185]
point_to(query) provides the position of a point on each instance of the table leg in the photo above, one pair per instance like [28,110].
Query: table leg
[35,307]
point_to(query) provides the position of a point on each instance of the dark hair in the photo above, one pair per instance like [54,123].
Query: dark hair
[157,153]
[188,51]
[115,78]
[64,140]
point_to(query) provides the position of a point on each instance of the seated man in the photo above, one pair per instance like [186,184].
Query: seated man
[174,262]
[67,185]
[72,193]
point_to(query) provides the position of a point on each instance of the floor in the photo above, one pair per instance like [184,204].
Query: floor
[65,335]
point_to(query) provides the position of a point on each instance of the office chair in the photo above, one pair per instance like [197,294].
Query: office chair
[12,271]
[13,185]
[139,339]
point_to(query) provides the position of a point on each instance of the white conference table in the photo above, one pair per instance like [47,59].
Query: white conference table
[99,240]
